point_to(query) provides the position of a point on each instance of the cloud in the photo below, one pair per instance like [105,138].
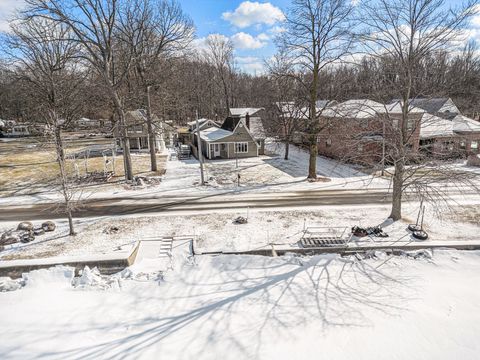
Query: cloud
[252,13]
[244,41]
[8,9]
[276,30]
[201,43]
[250,64]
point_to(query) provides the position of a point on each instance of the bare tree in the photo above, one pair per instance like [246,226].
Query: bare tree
[154,30]
[408,32]
[286,115]
[317,35]
[93,25]
[219,54]
[45,58]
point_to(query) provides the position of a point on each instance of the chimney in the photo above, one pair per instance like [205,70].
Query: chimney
[247,121]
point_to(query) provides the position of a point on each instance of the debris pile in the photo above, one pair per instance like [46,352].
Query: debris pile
[240,220]
[111,230]
[142,181]
[94,177]
[375,231]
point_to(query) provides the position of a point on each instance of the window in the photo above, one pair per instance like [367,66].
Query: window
[395,123]
[360,147]
[410,124]
[463,144]
[364,123]
[328,143]
[241,147]
[474,145]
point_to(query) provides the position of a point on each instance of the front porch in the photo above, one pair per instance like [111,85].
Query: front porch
[217,151]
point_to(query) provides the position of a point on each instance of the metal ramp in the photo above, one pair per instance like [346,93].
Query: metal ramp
[324,237]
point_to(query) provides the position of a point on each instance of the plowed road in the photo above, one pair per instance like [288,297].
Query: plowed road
[144,204]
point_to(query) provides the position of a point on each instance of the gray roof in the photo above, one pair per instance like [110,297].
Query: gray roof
[431,105]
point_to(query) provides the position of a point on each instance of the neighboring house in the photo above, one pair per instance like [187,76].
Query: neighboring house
[441,107]
[252,118]
[220,143]
[440,137]
[137,131]
[86,123]
[10,128]
[186,134]
[356,130]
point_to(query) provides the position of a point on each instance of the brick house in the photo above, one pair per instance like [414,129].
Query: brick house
[357,128]
[458,137]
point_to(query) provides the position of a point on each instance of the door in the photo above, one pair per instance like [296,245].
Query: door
[216,150]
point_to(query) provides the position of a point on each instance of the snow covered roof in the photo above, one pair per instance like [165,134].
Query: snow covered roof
[243,111]
[200,121]
[358,108]
[395,107]
[214,133]
[431,105]
[464,124]
[432,126]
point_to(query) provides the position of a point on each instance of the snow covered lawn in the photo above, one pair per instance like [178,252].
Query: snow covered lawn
[247,307]
[216,231]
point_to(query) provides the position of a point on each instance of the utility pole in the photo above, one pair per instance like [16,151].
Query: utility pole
[199,142]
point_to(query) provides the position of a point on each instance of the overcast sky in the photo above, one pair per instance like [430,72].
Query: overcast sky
[251,25]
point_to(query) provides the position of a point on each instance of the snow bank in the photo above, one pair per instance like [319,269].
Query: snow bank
[55,277]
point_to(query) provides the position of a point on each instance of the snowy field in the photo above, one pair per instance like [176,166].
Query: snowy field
[248,307]
[217,232]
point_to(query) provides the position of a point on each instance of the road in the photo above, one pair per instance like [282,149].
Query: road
[130,205]
[144,205]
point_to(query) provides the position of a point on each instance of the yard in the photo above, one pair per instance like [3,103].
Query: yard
[217,232]
[28,165]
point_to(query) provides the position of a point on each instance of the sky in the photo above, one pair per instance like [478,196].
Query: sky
[251,25]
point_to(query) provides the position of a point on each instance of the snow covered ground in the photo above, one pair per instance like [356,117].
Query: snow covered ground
[249,307]
[216,231]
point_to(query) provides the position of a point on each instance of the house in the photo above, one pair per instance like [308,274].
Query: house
[229,144]
[186,134]
[252,118]
[457,137]
[137,131]
[441,107]
[356,130]
[10,128]
[85,123]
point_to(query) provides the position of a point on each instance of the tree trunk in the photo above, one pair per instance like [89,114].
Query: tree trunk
[396,213]
[312,165]
[151,133]
[63,177]
[287,148]
[127,158]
